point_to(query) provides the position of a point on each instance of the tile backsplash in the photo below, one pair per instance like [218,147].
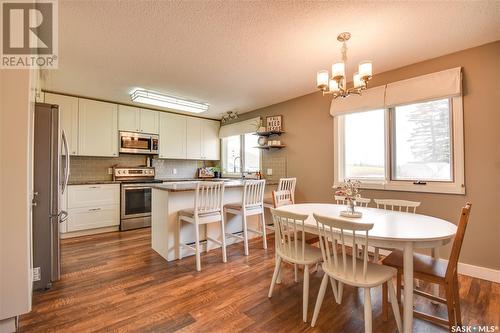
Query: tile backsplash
[87,168]
[275,160]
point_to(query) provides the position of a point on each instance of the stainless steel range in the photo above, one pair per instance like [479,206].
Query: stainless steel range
[135,196]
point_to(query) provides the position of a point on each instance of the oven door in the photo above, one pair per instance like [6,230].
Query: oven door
[138,143]
[136,201]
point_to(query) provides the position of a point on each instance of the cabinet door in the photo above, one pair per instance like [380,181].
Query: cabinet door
[97,128]
[149,121]
[172,135]
[93,195]
[68,116]
[91,218]
[128,118]
[210,140]
[193,140]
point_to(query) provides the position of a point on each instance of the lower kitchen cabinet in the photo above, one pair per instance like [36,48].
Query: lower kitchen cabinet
[92,207]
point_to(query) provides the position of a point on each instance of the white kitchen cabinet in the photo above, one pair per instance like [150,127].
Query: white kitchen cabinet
[210,140]
[68,116]
[172,136]
[194,137]
[93,206]
[97,128]
[133,119]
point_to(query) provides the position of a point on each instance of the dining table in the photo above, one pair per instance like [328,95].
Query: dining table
[391,229]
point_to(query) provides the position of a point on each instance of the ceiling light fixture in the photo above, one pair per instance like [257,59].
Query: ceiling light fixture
[336,83]
[170,102]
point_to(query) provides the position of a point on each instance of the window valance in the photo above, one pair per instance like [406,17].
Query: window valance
[239,128]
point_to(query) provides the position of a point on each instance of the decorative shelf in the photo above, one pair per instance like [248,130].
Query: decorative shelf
[269,133]
[269,147]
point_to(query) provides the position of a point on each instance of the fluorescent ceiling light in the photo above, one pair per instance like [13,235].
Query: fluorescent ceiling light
[175,103]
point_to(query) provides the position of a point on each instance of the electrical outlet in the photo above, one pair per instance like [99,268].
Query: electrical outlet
[174,171]
[110,171]
[269,172]
[36,274]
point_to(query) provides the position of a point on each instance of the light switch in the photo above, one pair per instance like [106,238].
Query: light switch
[269,172]
[174,171]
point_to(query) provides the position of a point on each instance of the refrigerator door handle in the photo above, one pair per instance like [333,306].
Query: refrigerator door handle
[63,216]
[66,170]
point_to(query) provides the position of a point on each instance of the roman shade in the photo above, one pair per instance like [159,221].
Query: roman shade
[370,99]
[239,128]
[442,84]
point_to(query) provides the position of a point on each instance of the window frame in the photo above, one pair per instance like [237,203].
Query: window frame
[455,186]
[242,159]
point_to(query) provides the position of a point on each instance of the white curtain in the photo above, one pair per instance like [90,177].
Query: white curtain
[239,128]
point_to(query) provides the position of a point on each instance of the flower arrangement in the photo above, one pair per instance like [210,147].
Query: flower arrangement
[350,191]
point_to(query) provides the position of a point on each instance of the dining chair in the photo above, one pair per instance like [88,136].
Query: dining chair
[291,247]
[208,206]
[284,184]
[252,204]
[282,198]
[361,202]
[351,270]
[395,205]
[438,271]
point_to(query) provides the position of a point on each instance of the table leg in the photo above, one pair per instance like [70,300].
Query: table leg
[408,288]
[435,286]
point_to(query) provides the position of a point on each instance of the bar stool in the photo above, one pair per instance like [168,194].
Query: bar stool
[252,204]
[208,206]
[285,184]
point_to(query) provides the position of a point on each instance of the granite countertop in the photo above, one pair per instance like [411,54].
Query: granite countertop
[188,181]
[191,186]
[92,182]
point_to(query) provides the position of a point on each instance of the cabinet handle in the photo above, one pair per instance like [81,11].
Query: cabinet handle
[94,187]
[94,209]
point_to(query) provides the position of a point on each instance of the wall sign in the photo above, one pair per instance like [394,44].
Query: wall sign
[273,123]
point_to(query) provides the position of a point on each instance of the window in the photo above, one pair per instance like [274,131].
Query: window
[411,147]
[240,155]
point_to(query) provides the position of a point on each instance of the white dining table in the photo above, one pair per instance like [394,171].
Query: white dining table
[391,229]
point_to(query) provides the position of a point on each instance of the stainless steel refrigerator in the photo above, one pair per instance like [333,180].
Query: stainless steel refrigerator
[51,174]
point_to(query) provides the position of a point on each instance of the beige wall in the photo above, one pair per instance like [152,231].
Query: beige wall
[309,152]
[15,185]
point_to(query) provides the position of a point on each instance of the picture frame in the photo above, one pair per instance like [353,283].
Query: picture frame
[274,123]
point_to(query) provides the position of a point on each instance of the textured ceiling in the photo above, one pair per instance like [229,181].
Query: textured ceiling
[245,55]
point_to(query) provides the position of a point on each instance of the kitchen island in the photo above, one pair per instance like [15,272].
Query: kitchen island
[168,199]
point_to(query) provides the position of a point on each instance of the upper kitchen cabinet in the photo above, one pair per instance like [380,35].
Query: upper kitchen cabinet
[172,136]
[203,141]
[133,119]
[68,113]
[97,128]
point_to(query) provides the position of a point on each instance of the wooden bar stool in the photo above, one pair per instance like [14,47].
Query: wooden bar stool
[208,204]
[285,184]
[252,204]
[435,271]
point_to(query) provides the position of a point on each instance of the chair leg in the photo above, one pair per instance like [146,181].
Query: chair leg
[305,296]
[223,240]
[368,311]
[264,236]
[398,287]
[296,273]
[340,290]
[450,305]
[385,303]
[278,279]
[394,304]
[179,224]
[319,300]
[197,247]
[245,234]
[376,254]
[456,300]
[335,291]
[275,276]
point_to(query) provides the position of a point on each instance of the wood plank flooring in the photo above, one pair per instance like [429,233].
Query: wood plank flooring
[114,282]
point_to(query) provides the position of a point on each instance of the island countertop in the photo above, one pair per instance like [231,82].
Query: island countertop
[191,185]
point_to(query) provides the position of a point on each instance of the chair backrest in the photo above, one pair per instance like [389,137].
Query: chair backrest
[397,205]
[334,230]
[209,197]
[289,234]
[288,184]
[451,270]
[362,202]
[253,193]
[282,198]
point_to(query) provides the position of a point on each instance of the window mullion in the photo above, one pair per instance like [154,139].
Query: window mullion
[242,153]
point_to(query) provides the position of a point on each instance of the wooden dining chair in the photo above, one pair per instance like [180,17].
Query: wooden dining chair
[291,247]
[361,202]
[252,204]
[351,270]
[285,184]
[436,271]
[282,198]
[208,201]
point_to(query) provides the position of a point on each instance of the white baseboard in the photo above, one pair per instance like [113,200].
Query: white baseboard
[479,272]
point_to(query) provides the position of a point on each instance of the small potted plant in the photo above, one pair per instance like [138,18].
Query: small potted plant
[216,171]
[350,191]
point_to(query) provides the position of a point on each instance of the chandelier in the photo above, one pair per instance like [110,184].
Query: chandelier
[336,83]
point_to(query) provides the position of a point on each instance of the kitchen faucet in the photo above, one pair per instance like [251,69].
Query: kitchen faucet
[234,163]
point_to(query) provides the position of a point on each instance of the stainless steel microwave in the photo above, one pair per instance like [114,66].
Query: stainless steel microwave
[138,143]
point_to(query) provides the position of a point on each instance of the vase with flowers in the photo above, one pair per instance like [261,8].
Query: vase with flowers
[350,191]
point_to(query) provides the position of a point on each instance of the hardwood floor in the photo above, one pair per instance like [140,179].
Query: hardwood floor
[115,282]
